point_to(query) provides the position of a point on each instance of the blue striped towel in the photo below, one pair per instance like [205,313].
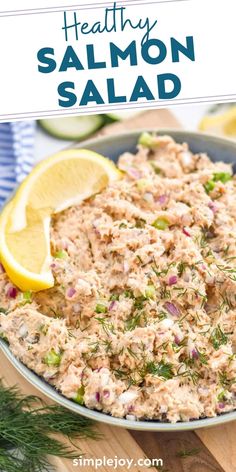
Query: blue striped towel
[16,155]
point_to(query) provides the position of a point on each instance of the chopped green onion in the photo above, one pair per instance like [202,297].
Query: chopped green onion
[142,184]
[27,296]
[80,396]
[161,223]
[52,358]
[128,294]
[209,186]
[147,140]
[61,254]
[156,169]
[100,308]
[3,336]
[221,397]
[150,291]
[114,297]
[222,177]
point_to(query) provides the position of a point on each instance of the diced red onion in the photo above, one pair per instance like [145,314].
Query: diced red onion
[11,292]
[2,270]
[97,232]
[97,396]
[210,235]
[132,172]
[195,354]
[172,309]
[221,405]
[106,393]
[186,232]
[212,207]
[70,292]
[126,267]
[162,199]
[112,305]
[176,339]
[173,279]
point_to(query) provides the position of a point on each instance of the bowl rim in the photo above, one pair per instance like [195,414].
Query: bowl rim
[49,391]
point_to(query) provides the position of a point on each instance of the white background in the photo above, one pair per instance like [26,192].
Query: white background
[211,77]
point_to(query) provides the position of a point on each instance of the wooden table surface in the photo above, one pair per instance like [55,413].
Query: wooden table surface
[214,447]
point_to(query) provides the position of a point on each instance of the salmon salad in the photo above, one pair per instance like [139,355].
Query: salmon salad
[140,323]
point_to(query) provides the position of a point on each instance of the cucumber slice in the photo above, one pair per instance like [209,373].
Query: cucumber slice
[123,115]
[72,128]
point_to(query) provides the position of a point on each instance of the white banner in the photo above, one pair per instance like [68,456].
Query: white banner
[60,58]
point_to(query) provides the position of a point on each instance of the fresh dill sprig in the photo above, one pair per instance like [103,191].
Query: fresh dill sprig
[224,381]
[106,324]
[188,452]
[228,271]
[28,428]
[218,337]
[134,321]
[162,272]
[181,268]
[162,369]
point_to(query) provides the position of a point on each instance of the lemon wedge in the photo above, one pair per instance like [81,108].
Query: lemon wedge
[223,123]
[25,255]
[61,181]
[58,182]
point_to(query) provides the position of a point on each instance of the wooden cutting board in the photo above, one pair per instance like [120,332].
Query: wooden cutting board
[214,448]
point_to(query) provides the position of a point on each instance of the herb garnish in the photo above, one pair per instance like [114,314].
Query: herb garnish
[188,452]
[161,369]
[162,272]
[106,324]
[133,322]
[218,337]
[181,268]
[224,381]
[26,428]
[140,223]
[3,310]
[139,302]
[227,270]
[202,357]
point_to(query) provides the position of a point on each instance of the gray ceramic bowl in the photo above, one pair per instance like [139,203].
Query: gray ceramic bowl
[217,149]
